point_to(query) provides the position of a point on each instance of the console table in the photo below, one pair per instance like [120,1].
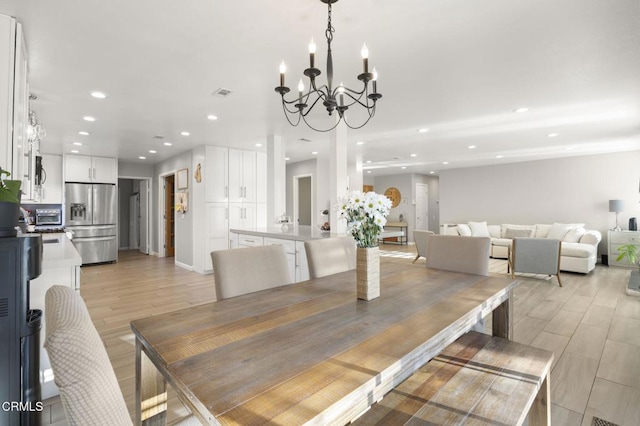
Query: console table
[400,239]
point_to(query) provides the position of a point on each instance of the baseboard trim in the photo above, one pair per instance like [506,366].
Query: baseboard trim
[184,266]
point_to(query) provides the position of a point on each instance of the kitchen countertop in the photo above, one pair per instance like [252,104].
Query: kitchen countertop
[60,254]
[296,233]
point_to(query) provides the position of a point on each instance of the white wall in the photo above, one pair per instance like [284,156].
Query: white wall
[132,170]
[570,190]
[183,225]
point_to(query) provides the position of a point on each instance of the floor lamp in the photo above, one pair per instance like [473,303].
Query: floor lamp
[616,206]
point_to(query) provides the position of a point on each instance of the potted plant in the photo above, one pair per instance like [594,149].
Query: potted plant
[630,252]
[9,204]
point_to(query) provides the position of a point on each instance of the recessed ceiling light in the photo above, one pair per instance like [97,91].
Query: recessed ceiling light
[368,161]
[315,152]
[445,162]
[83,133]
[359,143]
[142,158]
[499,156]
[414,155]
[152,151]
[258,145]
[77,143]
[368,171]
[287,158]
[212,117]
[424,130]
[98,95]
[88,118]
[74,151]
[185,133]
[552,135]
[168,144]
[471,147]
[522,109]
[432,172]
[403,167]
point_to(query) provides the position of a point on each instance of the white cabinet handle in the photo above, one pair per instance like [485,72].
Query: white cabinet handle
[89,172]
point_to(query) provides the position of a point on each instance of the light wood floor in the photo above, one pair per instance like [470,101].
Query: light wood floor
[592,327]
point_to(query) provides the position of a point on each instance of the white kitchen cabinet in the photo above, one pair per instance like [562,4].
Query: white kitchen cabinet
[261,179]
[217,230]
[51,192]
[17,155]
[245,240]
[242,215]
[82,168]
[289,250]
[216,174]
[242,176]
[619,238]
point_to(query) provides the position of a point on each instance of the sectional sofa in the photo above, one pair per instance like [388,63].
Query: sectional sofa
[579,246]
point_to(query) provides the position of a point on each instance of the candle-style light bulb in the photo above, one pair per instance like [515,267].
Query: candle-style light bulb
[341,92]
[375,80]
[312,53]
[283,69]
[300,90]
[365,58]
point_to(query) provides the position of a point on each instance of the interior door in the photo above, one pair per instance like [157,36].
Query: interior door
[134,221]
[422,206]
[169,217]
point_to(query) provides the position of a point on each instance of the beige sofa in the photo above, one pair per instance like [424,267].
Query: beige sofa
[579,246]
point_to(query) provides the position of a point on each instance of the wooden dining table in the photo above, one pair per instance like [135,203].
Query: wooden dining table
[311,352]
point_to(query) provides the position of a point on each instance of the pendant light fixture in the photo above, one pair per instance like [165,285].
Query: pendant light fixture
[334,98]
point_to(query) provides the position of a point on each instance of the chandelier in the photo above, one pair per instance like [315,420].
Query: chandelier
[338,98]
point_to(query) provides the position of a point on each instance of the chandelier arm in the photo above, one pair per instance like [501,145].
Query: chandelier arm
[371,114]
[320,130]
[287,117]
[357,100]
[304,114]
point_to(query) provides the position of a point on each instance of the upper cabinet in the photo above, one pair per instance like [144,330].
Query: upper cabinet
[16,153]
[51,188]
[216,174]
[86,169]
[242,176]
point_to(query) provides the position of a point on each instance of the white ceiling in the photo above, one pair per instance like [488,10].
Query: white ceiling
[457,67]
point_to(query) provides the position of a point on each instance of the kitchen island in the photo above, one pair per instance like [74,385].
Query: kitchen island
[291,237]
[60,266]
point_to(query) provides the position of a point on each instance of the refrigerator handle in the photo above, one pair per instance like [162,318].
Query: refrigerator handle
[89,172]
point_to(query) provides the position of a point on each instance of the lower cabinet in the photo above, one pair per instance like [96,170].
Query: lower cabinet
[619,238]
[296,255]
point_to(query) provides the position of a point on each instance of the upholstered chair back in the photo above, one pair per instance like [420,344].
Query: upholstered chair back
[88,386]
[420,238]
[328,256]
[536,256]
[459,254]
[247,270]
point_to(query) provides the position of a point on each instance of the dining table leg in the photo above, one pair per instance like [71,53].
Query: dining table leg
[151,391]
[502,318]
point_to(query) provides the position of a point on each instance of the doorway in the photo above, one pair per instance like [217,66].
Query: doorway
[422,206]
[302,200]
[134,222]
[169,216]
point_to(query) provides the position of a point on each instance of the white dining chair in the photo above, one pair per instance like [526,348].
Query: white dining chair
[247,270]
[328,256]
[88,386]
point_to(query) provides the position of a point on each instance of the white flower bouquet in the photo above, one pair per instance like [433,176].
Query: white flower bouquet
[366,215]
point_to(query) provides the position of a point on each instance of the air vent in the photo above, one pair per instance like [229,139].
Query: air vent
[4,307]
[158,137]
[304,140]
[221,92]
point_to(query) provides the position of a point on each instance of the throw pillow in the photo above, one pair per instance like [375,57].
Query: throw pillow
[542,231]
[511,233]
[479,229]
[464,230]
[506,226]
[574,235]
[558,231]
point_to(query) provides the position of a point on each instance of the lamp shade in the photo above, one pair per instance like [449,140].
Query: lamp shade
[616,206]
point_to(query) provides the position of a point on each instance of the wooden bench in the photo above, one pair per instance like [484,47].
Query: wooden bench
[478,379]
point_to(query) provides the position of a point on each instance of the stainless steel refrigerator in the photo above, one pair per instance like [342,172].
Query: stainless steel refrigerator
[91,213]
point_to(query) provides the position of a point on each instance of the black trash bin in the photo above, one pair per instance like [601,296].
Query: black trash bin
[31,391]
